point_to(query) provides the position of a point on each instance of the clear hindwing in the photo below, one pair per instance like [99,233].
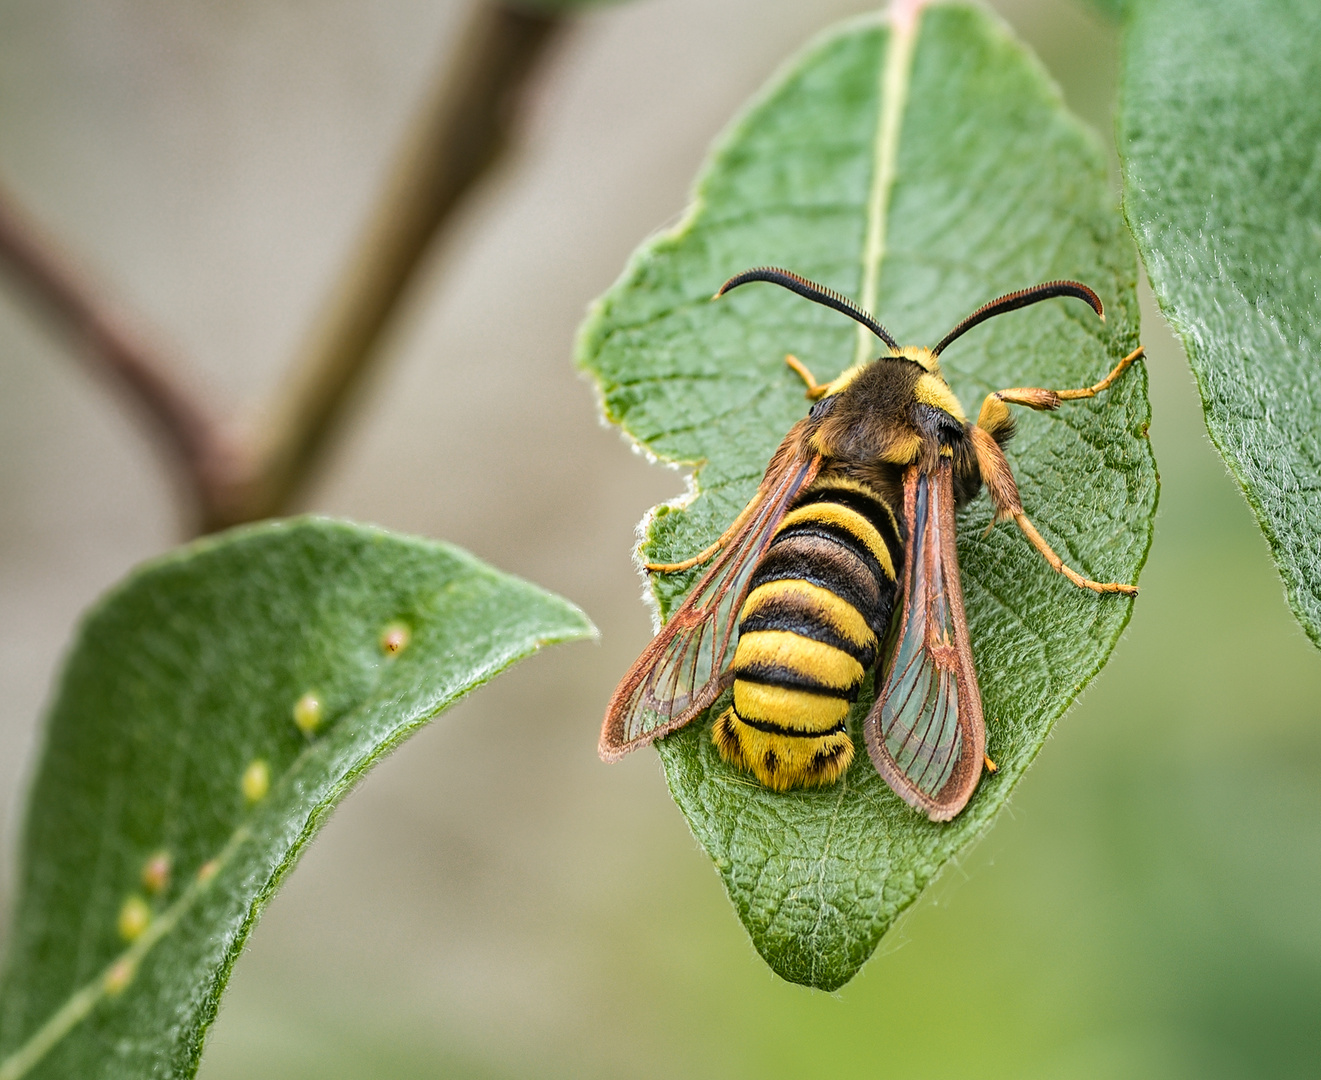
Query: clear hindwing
[925,732]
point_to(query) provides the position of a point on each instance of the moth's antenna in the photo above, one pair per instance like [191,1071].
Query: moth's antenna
[1023,298]
[818,293]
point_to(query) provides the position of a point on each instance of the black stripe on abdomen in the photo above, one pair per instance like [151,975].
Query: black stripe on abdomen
[869,506]
[826,562]
[818,604]
[798,612]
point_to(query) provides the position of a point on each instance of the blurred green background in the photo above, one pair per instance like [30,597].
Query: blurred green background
[493,901]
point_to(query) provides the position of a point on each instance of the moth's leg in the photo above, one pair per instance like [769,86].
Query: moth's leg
[1104,384]
[1057,564]
[995,417]
[814,388]
[999,480]
[724,538]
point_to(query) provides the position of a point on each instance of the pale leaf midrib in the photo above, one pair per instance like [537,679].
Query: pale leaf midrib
[896,74]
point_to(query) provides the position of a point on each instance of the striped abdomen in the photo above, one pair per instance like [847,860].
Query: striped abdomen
[817,609]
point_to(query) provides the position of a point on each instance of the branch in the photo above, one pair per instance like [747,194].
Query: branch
[113,342]
[459,134]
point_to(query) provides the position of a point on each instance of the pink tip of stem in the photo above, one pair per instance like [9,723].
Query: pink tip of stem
[904,13]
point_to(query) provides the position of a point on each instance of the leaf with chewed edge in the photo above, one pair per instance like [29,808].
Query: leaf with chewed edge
[214,709]
[923,167]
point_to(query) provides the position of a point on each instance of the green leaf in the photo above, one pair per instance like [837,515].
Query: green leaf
[147,813]
[922,171]
[1219,135]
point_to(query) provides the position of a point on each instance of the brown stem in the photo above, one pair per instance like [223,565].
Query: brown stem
[459,133]
[114,342]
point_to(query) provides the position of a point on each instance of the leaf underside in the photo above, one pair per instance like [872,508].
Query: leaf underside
[1219,133]
[995,187]
[177,682]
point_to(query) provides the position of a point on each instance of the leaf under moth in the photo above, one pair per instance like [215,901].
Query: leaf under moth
[922,168]
[176,788]
[1219,133]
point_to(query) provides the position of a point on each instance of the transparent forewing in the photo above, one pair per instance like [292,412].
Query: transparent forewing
[925,731]
[920,695]
[683,669]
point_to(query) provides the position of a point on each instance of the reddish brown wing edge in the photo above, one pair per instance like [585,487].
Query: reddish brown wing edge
[957,790]
[793,467]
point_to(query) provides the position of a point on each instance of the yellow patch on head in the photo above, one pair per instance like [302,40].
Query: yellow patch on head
[843,379]
[823,663]
[922,356]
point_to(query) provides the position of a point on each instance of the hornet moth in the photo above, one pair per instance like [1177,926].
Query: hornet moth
[854,515]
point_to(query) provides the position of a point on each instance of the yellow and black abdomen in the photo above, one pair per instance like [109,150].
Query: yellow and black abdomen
[810,629]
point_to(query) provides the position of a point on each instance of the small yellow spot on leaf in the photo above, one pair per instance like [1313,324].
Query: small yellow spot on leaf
[394,639]
[207,870]
[308,712]
[119,976]
[156,873]
[256,780]
[134,917]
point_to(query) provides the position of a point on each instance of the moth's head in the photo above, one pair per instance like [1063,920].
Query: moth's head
[920,355]
[927,359]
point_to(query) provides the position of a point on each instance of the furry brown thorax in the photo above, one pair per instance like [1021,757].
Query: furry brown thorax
[878,418]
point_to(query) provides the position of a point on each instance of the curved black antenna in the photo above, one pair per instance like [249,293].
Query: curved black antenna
[819,293]
[1022,298]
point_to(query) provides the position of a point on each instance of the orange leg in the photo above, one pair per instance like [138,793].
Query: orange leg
[814,388]
[1104,384]
[814,391]
[995,419]
[1057,564]
[994,413]
[702,556]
